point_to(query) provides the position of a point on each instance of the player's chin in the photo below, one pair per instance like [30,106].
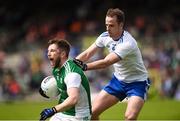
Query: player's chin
[52,64]
[110,34]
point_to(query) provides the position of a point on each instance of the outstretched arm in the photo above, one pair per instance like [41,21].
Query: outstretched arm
[103,63]
[87,54]
[99,64]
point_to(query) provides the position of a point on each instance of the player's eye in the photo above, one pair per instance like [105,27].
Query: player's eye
[52,50]
[111,25]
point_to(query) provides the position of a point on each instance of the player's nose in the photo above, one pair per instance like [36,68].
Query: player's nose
[107,28]
[48,54]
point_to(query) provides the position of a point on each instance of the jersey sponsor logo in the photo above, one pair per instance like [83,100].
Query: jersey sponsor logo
[113,47]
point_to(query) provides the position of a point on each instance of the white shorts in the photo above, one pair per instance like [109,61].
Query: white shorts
[64,117]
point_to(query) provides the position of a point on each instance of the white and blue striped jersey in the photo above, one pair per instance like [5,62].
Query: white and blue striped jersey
[131,67]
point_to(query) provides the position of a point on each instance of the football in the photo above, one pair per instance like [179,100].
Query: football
[49,87]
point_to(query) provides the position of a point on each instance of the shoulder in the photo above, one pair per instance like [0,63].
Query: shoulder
[104,34]
[128,36]
[70,66]
[129,39]
[73,75]
[72,70]
[102,39]
[72,80]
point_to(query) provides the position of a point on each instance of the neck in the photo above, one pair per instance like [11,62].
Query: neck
[63,61]
[118,36]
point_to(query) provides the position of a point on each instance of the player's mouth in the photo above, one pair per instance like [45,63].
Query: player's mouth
[52,63]
[109,33]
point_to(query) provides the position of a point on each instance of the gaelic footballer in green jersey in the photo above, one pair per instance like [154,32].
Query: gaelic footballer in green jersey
[74,100]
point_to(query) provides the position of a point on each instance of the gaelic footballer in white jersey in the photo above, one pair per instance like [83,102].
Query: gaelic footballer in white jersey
[131,67]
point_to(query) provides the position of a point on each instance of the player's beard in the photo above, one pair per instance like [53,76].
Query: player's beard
[110,34]
[57,62]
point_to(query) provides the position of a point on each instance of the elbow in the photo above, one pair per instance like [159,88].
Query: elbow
[74,100]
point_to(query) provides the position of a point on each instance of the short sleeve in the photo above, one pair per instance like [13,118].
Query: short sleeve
[99,42]
[73,80]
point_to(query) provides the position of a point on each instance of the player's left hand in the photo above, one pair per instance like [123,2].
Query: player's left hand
[46,113]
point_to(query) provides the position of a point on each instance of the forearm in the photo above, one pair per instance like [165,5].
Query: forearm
[103,63]
[87,54]
[67,104]
[97,65]
[83,57]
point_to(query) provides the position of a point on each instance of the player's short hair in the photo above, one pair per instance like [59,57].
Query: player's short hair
[62,44]
[118,13]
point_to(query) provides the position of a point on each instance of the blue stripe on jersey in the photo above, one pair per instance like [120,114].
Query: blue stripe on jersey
[121,38]
[104,34]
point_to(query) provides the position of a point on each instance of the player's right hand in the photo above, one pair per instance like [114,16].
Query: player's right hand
[82,65]
[46,113]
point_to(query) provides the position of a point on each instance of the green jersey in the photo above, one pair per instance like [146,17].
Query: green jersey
[70,75]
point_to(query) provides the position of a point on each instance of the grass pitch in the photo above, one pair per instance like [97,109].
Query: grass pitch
[152,110]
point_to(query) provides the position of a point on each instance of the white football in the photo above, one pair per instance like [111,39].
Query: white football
[49,87]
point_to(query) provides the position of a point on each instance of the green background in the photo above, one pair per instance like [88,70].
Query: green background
[152,110]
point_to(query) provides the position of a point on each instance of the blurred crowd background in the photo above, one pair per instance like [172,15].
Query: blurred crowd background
[26,27]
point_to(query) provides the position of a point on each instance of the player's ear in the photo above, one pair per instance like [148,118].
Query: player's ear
[121,25]
[63,54]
